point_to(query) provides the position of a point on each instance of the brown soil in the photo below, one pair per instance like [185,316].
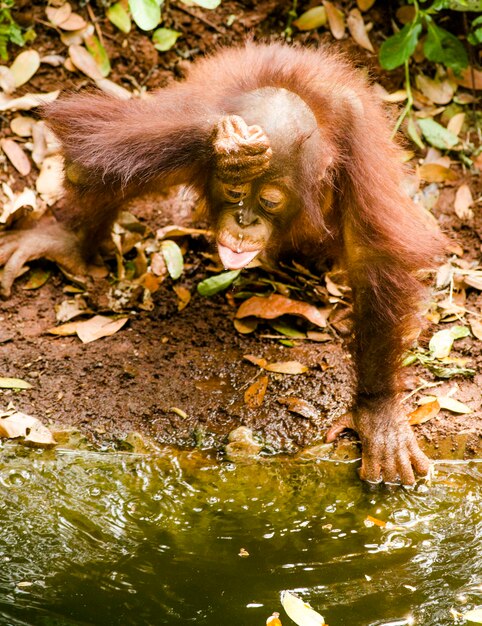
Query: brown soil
[165,360]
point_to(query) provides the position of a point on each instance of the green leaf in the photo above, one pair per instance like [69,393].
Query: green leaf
[442,47]
[173,257]
[441,342]
[215,284]
[437,135]
[165,38]
[399,47]
[119,17]
[205,4]
[146,13]
[413,133]
[99,53]
[287,330]
[14,383]
[457,5]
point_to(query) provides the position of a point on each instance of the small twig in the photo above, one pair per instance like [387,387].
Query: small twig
[200,18]
[424,385]
[95,22]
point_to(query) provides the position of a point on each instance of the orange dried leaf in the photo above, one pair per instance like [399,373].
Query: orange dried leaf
[246,325]
[376,521]
[273,620]
[183,296]
[300,406]
[424,413]
[276,305]
[150,282]
[436,173]
[364,5]
[254,394]
[286,367]
[256,360]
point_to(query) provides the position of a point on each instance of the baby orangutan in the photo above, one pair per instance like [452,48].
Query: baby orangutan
[291,152]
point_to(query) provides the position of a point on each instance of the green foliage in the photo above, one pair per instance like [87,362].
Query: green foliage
[9,30]
[437,135]
[475,36]
[165,38]
[146,13]
[119,17]
[215,284]
[400,47]
[440,45]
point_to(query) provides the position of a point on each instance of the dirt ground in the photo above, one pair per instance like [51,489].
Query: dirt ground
[179,377]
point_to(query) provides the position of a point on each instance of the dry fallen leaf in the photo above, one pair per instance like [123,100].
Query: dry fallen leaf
[357,28]
[14,383]
[16,205]
[23,425]
[437,91]
[424,413]
[256,360]
[456,123]
[299,611]
[276,305]
[90,330]
[25,66]
[463,202]
[451,404]
[112,89]
[183,296]
[84,62]
[16,156]
[21,125]
[179,231]
[57,15]
[336,20]
[254,394]
[364,5]
[26,102]
[470,77]
[436,173]
[286,367]
[476,327]
[74,22]
[300,406]
[50,181]
[246,325]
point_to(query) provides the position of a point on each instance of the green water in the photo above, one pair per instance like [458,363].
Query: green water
[92,538]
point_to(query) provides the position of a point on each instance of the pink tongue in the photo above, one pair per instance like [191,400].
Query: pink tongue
[232,260]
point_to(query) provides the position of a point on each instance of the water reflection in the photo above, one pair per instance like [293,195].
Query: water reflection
[90,538]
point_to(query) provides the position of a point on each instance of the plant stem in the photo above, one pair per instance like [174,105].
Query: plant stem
[408,106]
